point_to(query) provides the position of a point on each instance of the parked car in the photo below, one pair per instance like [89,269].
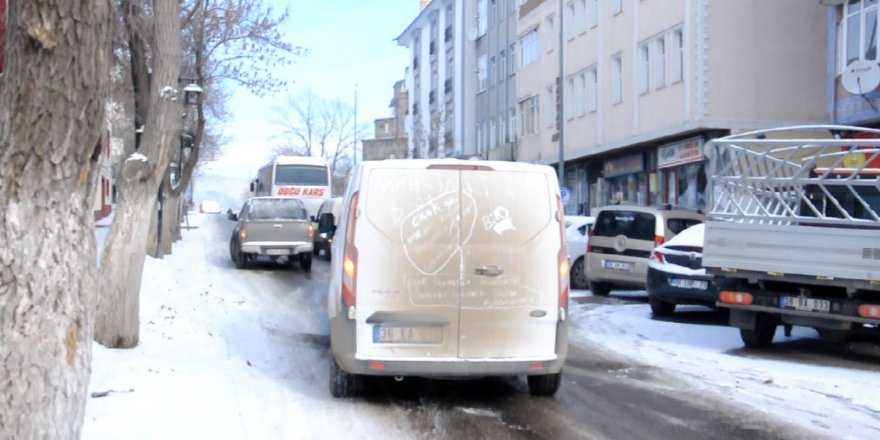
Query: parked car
[441,270]
[275,227]
[210,207]
[676,274]
[577,229]
[622,239]
[325,223]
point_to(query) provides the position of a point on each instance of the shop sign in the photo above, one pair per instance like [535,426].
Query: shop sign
[690,150]
[633,163]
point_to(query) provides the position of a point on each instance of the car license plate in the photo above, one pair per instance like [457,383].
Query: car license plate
[618,265]
[685,283]
[805,304]
[277,251]
[407,335]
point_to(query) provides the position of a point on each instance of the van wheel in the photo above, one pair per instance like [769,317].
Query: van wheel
[343,384]
[600,289]
[762,334]
[544,384]
[305,261]
[579,275]
[660,307]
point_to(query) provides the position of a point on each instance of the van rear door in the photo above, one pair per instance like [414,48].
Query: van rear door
[511,243]
[409,259]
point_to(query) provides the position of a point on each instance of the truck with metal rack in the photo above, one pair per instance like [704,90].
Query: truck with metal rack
[793,230]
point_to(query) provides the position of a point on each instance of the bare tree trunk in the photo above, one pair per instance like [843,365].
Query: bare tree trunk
[51,118]
[123,259]
[170,221]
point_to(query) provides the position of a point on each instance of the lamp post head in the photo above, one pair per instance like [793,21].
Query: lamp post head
[193,93]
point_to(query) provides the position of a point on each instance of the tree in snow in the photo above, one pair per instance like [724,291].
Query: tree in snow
[52,99]
[223,41]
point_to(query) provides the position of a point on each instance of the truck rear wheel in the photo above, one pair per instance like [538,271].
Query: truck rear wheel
[660,307]
[305,261]
[600,289]
[762,334]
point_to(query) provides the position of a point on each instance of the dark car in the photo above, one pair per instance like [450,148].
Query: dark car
[676,274]
[325,226]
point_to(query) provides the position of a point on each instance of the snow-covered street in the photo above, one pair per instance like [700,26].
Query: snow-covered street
[220,359]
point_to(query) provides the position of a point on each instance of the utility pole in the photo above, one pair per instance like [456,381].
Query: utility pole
[355,146]
[560,108]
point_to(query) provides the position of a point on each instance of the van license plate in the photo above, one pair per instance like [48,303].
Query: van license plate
[618,265]
[407,335]
[685,283]
[806,304]
[277,251]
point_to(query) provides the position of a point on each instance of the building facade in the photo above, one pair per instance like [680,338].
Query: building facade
[389,138]
[495,99]
[646,83]
[440,79]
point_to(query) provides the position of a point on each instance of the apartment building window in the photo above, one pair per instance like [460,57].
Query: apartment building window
[592,89]
[482,17]
[482,72]
[643,62]
[616,79]
[511,124]
[492,71]
[432,47]
[550,35]
[502,66]
[511,59]
[528,109]
[861,30]
[676,56]
[571,18]
[481,140]
[492,134]
[549,106]
[502,130]
[530,47]
[658,63]
[616,6]
[592,13]
[578,81]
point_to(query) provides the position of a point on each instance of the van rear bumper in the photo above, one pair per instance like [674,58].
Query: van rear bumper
[342,337]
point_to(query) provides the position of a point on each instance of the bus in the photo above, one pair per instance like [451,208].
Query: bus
[304,177]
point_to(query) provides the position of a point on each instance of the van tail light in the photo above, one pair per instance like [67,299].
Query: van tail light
[242,234]
[659,239]
[657,256]
[350,256]
[562,258]
[590,240]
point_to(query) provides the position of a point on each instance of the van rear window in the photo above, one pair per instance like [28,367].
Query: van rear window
[634,225]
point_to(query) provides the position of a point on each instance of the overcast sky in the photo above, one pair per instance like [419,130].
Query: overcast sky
[352,44]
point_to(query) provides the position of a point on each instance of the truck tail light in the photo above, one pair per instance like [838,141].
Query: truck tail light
[732,297]
[350,256]
[311,232]
[562,258]
[242,234]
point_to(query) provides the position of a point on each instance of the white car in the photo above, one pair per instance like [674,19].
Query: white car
[577,231]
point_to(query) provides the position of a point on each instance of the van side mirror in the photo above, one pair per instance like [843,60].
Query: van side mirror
[325,222]
[232,216]
[252,186]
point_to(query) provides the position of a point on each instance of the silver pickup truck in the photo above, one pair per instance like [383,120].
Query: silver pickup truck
[274,227]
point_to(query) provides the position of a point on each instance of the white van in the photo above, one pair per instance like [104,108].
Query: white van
[449,268]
